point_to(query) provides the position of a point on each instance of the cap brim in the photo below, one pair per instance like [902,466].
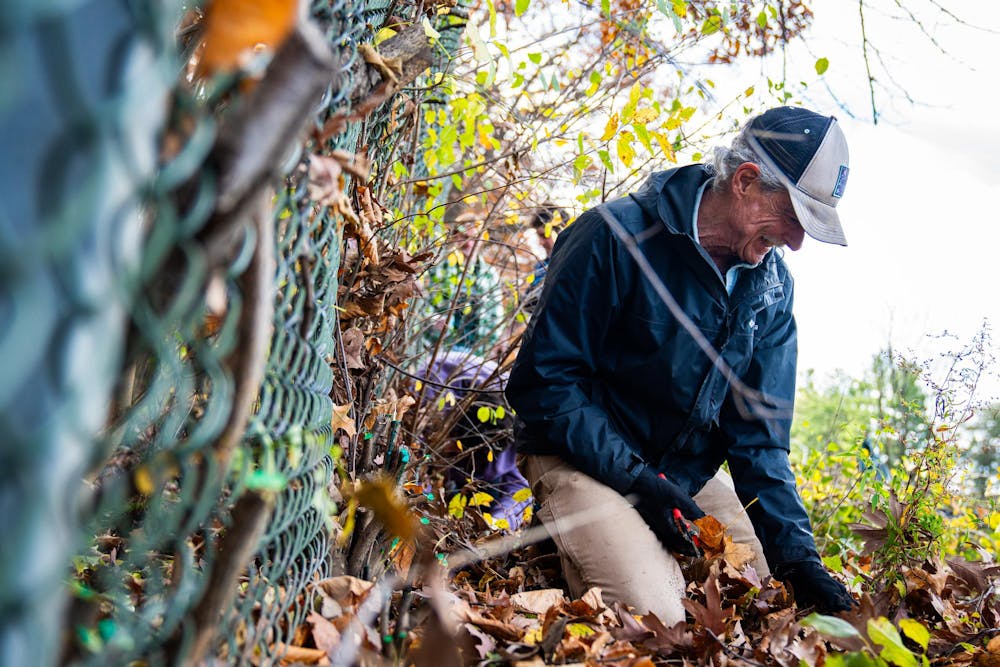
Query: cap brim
[820,221]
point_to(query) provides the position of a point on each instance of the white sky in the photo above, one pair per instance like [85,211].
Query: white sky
[920,210]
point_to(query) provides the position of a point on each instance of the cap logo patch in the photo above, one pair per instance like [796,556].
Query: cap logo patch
[838,189]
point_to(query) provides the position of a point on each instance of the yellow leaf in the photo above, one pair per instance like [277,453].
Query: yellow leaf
[532,637]
[521,495]
[580,629]
[664,143]
[379,495]
[611,128]
[144,480]
[349,522]
[383,34]
[458,443]
[234,28]
[634,93]
[489,456]
[480,498]
[625,151]
[456,506]
[749,91]
[529,512]
[645,115]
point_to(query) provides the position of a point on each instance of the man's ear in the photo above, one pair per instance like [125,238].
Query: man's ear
[744,177]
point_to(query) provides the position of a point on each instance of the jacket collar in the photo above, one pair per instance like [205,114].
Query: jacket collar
[674,208]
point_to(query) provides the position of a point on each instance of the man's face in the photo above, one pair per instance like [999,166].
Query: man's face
[764,219]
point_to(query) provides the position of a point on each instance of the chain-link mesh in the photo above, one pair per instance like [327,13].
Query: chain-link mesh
[79,113]
[100,274]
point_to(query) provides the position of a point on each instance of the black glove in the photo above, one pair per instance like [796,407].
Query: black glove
[813,586]
[657,499]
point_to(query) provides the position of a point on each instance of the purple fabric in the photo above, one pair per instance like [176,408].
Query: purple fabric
[463,371]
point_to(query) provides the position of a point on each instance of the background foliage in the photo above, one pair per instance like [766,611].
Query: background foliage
[335,195]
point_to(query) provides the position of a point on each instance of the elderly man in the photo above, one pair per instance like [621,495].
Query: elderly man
[617,398]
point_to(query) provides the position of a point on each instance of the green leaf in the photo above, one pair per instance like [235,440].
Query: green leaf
[830,625]
[500,412]
[822,65]
[853,659]
[606,160]
[493,18]
[606,7]
[521,6]
[712,25]
[883,632]
[643,135]
[834,563]
[762,20]
[484,414]
[535,57]
[916,631]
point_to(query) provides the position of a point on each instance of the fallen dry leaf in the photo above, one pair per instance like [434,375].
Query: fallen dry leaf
[342,420]
[300,655]
[345,590]
[325,634]
[538,602]
[326,186]
[354,344]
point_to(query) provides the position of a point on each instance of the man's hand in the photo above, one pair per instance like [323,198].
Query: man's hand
[814,587]
[657,499]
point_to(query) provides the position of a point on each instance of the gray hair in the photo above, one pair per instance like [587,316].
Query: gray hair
[725,161]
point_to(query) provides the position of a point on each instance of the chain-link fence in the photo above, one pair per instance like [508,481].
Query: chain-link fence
[170,332]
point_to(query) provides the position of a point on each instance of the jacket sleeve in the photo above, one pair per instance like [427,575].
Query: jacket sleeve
[759,447]
[552,384]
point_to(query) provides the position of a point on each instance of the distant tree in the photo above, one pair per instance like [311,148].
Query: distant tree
[984,452]
[884,410]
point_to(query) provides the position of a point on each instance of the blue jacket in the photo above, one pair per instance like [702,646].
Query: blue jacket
[608,380]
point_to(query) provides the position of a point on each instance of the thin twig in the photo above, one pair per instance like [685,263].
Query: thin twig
[868,68]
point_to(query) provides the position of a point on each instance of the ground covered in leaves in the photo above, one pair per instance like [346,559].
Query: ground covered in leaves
[451,603]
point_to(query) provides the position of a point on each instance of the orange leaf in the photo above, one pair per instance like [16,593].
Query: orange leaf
[710,534]
[233,28]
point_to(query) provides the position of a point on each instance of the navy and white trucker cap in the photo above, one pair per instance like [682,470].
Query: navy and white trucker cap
[809,153]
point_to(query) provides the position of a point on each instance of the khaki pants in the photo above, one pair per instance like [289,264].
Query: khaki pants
[604,542]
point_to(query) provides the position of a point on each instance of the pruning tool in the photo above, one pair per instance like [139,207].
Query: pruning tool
[686,528]
[689,531]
